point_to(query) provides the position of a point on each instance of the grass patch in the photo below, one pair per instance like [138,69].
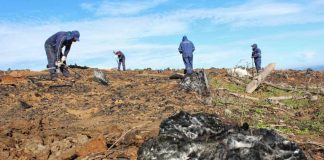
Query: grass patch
[288,130]
[295,104]
[227,85]
[312,126]
[262,125]
[271,92]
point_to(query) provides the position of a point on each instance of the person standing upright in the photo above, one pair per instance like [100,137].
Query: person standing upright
[186,48]
[256,55]
[121,59]
[53,47]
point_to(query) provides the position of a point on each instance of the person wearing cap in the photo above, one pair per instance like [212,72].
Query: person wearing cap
[121,59]
[186,48]
[256,55]
[53,47]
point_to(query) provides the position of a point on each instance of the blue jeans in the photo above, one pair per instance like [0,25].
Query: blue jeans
[51,58]
[121,61]
[257,62]
[188,64]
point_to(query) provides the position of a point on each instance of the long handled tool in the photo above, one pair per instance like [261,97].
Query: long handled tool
[252,66]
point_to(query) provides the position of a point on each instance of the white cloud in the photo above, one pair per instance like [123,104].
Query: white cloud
[256,13]
[307,56]
[121,8]
[25,42]
[88,6]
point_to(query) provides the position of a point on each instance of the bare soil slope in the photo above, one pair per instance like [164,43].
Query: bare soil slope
[78,117]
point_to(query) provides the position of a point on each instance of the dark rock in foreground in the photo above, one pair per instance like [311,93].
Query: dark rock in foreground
[204,137]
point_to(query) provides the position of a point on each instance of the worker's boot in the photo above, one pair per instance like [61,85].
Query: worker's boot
[53,74]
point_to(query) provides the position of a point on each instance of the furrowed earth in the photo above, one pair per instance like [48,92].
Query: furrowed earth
[80,118]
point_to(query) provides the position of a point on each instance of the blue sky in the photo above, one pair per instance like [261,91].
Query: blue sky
[289,32]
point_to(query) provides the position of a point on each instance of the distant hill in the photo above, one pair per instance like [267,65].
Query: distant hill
[317,68]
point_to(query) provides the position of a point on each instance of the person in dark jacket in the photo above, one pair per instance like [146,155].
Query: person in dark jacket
[186,48]
[53,47]
[256,55]
[121,59]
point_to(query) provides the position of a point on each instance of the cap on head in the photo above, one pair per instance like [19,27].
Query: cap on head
[184,38]
[254,45]
[76,35]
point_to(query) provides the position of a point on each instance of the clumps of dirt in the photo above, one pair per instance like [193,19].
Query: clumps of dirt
[205,136]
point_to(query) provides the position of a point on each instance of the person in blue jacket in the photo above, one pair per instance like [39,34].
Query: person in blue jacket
[186,48]
[121,59]
[53,47]
[256,54]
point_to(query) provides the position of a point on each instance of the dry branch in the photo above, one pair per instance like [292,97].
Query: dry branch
[286,98]
[280,87]
[60,85]
[288,89]
[122,136]
[243,96]
[260,78]
[239,95]
[275,102]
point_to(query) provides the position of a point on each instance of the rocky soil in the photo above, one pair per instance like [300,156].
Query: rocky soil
[80,118]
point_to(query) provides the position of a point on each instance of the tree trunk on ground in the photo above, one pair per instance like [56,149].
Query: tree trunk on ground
[260,78]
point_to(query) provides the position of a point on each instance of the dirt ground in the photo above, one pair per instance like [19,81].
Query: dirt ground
[79,118]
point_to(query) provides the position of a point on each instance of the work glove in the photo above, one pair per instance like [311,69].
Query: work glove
[59,64]
[63,59]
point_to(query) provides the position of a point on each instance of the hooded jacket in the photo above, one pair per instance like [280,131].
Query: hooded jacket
[186,47]
[256,52]
[62,39]
[120,55]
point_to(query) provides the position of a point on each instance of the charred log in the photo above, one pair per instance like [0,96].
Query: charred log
[205,136]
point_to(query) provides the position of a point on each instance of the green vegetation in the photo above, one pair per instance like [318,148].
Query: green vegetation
[262,114]
[229,86]
[295,104]
[312,126]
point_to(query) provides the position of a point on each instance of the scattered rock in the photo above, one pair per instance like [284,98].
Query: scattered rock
[82,139]
[177,76]
[322,91]
[100,77]
[204,136]
[25,105]
[313,98]
[36,149]
[59,148]
[208,100]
